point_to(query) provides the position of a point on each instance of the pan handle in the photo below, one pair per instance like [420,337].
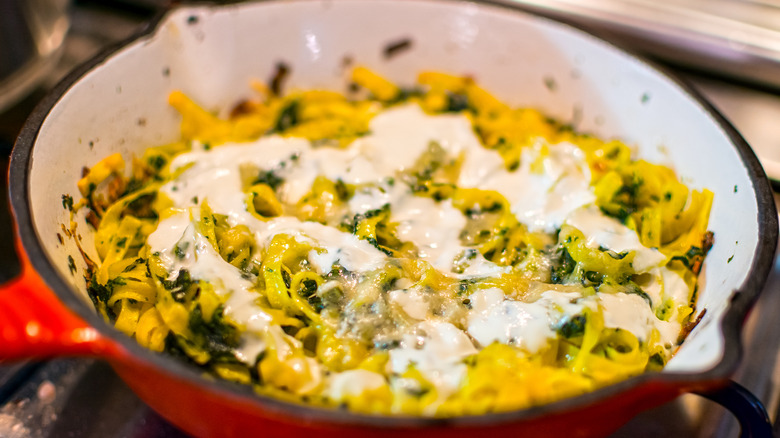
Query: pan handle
[35,324]
[747,408]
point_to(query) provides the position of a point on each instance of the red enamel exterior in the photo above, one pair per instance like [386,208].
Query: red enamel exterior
[35,324]
[211,415]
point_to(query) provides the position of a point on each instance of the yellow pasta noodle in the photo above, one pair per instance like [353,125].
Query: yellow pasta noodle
[424,250]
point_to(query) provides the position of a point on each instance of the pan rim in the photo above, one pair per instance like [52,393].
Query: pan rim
[730,327]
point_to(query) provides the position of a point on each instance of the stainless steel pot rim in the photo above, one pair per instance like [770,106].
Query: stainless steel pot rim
[739,306]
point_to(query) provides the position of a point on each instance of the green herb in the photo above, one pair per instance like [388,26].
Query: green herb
[550,83]
[179,286]
[562,265]
[656,362]
[594,277]
[373,242]
[133,265]
[693,254]
[387,344]
[288,117]
[71,265]
[218,337]
[573,327]
[341,190]
[269,178]
[613,254]
[67,202]
[286,278]
[142,207]
[308,291]
[180,250]
[635,290]
[457,102]
[101,293]
[156,162]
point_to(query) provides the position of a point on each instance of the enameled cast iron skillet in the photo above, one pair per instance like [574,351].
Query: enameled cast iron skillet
[117,103]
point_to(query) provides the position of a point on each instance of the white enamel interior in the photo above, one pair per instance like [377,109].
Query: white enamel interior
[212,54]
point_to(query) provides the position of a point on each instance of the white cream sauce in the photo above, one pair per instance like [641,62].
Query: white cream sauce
[667,288]
[331,244]
[437,350]
[412,301]
[398,137]
[352,383]
[203,262]
[551,182]
[628,312]
[435,229]
[215,175]
[551,187]
[607,232]
[495,318]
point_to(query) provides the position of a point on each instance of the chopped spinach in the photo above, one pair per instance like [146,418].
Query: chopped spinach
[269,178]
[67,202]
[457,102]
[142,207]
[635,290]
[101,293]
[156,162]
[695,255]
[180,250]
[179,286]
[308,291]
[562,265]
[573,327]
[218,337]
[289,116]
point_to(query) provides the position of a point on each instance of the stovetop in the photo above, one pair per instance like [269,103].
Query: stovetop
[84,398]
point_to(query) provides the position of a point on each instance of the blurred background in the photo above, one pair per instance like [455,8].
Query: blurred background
[729,50]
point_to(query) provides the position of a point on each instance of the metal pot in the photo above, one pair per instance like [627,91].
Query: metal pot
[32,33]
[117,103]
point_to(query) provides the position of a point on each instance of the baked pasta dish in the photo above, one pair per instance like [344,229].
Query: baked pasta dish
[425,250]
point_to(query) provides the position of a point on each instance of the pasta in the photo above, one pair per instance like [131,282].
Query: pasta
[422,251]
